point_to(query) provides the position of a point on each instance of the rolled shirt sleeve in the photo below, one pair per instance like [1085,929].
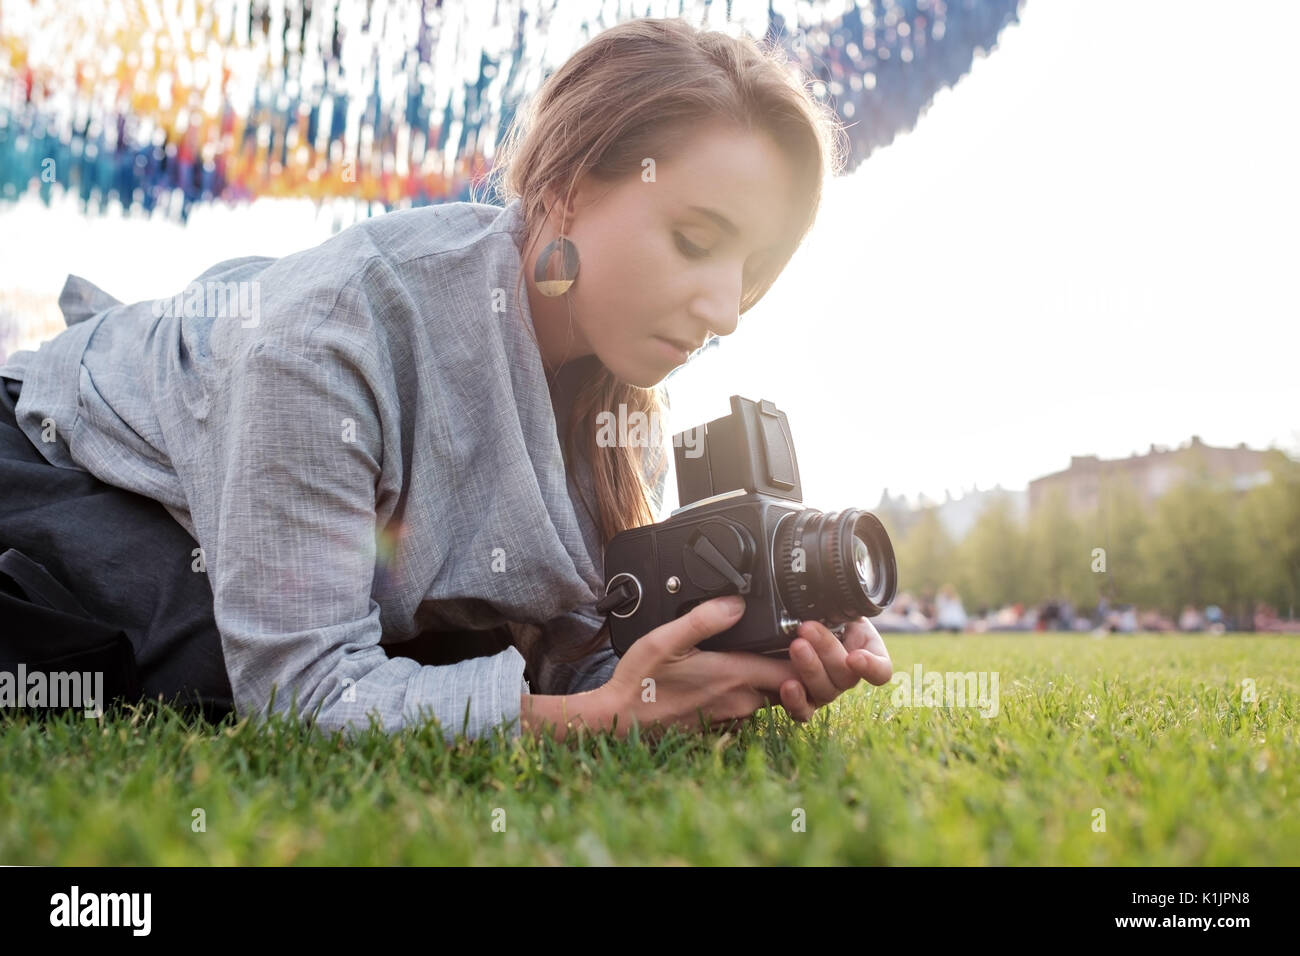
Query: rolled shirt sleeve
[575,628]
[291,558]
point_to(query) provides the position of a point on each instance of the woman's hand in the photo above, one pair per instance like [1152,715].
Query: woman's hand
[664,679]
[731,685]
[828,667]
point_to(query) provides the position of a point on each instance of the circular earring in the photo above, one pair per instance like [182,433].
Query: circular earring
[553,285]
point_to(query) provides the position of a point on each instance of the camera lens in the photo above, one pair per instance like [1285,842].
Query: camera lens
[834,567]
[862,564]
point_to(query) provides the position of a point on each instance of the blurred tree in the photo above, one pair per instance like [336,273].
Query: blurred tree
[1270,522]
[892,512]
[990,561]
[1059,555]
[1203,542]
[1115,526]
[925,555]
[1192,549]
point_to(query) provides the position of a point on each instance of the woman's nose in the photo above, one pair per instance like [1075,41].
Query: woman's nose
[718,303]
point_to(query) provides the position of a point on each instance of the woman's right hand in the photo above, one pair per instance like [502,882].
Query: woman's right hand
[664,679]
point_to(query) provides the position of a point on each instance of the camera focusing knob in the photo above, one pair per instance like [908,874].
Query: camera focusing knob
[718,554]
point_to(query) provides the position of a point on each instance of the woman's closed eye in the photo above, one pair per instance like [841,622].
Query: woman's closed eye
[688,248]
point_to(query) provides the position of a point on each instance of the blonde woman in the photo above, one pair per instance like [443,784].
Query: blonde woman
[397,455]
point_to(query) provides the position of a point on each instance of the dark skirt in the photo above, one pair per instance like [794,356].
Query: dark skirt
[82,561]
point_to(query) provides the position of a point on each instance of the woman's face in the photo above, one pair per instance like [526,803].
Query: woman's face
[665,259]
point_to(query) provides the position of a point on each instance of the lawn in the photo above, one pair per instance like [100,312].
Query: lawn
[1115,750]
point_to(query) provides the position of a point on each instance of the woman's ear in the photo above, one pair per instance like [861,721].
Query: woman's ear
[563,204]
[562,208]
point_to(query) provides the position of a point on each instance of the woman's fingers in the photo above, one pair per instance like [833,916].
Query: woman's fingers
[866,652]
[821,666]
[834,656]
[761,673]
[822,663]
[795,701]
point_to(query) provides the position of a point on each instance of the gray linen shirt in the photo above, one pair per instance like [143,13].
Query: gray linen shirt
[361,440]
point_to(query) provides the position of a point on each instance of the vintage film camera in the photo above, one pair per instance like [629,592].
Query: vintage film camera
[742,529]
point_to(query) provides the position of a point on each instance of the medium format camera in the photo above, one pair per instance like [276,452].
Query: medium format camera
[742,529]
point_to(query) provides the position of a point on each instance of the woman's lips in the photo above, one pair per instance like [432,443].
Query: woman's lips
[672,351]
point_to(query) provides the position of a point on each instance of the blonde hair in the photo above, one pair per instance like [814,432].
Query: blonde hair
[643,88]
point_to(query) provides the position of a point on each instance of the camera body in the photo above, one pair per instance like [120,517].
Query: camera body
[742,529]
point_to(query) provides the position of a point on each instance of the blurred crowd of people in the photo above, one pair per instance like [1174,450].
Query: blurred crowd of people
[945,612]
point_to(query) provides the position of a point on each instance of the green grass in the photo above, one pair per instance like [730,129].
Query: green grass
[1151,729]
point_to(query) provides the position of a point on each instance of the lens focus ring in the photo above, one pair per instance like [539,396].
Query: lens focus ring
[830,587]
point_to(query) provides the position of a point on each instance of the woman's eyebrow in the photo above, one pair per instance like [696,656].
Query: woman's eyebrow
[727,226]
[722,221]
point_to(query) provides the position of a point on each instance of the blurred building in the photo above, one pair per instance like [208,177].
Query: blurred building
[1151,474]
[957,515]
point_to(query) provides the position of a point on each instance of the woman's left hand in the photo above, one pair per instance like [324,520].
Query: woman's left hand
[828,666]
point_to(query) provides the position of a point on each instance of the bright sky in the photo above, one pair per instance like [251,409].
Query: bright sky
[1086,246]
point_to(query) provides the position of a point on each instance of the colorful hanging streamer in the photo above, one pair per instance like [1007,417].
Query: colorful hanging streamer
[162,104]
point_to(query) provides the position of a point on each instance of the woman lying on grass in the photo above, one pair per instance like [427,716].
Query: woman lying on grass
[386,458]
